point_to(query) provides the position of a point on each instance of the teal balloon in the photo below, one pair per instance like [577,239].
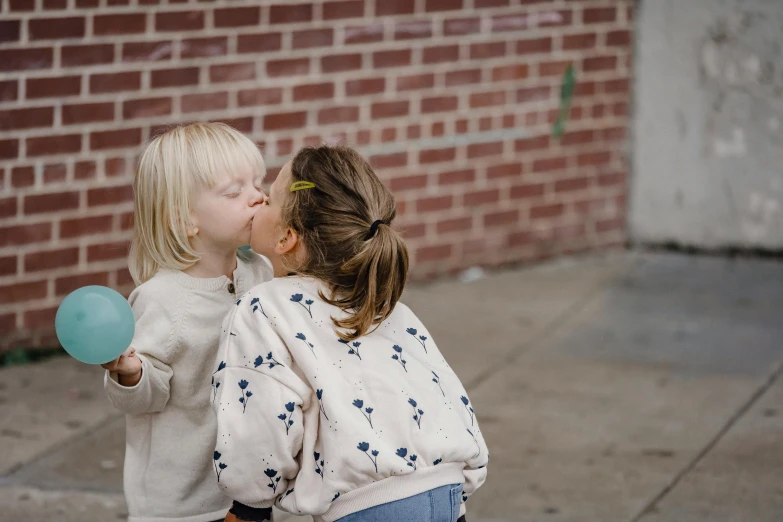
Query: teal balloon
[95,324]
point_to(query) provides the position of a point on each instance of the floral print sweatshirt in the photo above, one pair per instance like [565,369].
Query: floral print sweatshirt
[323,427]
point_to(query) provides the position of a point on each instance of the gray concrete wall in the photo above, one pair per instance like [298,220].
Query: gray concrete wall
[708,125]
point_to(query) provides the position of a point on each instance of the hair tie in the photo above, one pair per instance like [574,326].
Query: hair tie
[374,227]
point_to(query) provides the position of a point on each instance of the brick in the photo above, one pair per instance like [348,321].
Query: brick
[26,59]
[439,104]
[395,7]
[510,72]
[549,164]
[204,47]
[84,170]
[66,285]
[37,261]
[107,251]
[552,68]
[259,43]
[179,21]
[290,13]
[533,94]
[55,4]
[593,159]
[288,67]
[578,137]
[9,149]
[9,31]
[86,55]
[618,38]
[8,323]
[396,58]
[413,231]
[365,86]
[454,177]
[389,161]
[18,119]
[461,26]
[440,53]
[23,176]
[345,9]
[433,253]
[412,30]
[482,51]
[109,195]
[174,77]
[8,265]
[617,86]
[393,109]
[580,41]
[478,150]
[78,227]
[437,155]
[571,184]
[17,292]
[504,217]
[338,115]
[25,234]
[237,16]
[115,139]
[463,77]
[314,91]
[416,81]
[534,46]
[612,179]
[232,72]
[490,3]
[362,34]
[39,318]
[481,197]
[115,24]
[443,5]
[547,211]
[8,207]
[527,190]
[113,167]
[149,51]
[454,225]
[264,96]
[115,82]
[22,5]
[414,182]
[438,129]
[146,108]
[9,90]
[56,28]
[599,15]
[54,87]
[504,170]
[212,101]
[312,38]
[53,145]
[434,204]
[599,63]
[285,120]
[78,113]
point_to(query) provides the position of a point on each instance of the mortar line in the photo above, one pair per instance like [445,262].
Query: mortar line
[552,326]
[765,386]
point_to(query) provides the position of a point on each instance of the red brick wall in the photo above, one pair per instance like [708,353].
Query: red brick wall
[452,99]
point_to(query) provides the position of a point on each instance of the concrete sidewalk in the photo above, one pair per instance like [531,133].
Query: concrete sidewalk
[629,387]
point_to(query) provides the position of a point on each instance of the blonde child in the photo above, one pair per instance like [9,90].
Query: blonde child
[196,192]
[334,401]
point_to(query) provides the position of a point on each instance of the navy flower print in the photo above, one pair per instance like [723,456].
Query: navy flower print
[319,466]
[215,386]
[367,411]
[246,394]
[297,298]
[219,466]
[221,366]
[398,357]
[302,338]
[436,380]
[273,479]
[354,350]
[422,338]
[320,394]
[474,440]
[437,461]
[468,407]
[403,452]
[256,304]
[336,497]
[418,413]
[271,361]
[364,446]
[287,493]
[286,417]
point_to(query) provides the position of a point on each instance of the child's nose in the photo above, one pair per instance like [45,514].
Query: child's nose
[258,198]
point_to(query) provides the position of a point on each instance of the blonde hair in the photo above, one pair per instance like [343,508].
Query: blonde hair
[365,266]
[173,169]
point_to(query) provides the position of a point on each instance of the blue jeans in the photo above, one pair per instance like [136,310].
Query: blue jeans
[436,505]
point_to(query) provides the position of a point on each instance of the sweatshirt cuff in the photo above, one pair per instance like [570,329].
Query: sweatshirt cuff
[124,396]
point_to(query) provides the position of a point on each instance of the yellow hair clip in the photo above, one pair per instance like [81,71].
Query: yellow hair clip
[302,185]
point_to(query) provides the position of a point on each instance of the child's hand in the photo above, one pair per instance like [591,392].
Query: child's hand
[127,366]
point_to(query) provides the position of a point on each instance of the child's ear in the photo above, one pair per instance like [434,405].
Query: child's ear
[287,242]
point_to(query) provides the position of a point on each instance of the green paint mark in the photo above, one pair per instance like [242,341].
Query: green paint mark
[566,95]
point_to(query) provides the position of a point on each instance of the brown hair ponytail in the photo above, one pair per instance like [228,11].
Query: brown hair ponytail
[345,225]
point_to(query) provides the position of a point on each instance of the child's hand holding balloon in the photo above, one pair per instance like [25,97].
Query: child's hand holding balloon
[127,366]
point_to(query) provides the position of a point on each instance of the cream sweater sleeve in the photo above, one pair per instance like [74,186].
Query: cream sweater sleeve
[157,323]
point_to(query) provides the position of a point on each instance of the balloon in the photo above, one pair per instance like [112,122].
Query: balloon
[95,324]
